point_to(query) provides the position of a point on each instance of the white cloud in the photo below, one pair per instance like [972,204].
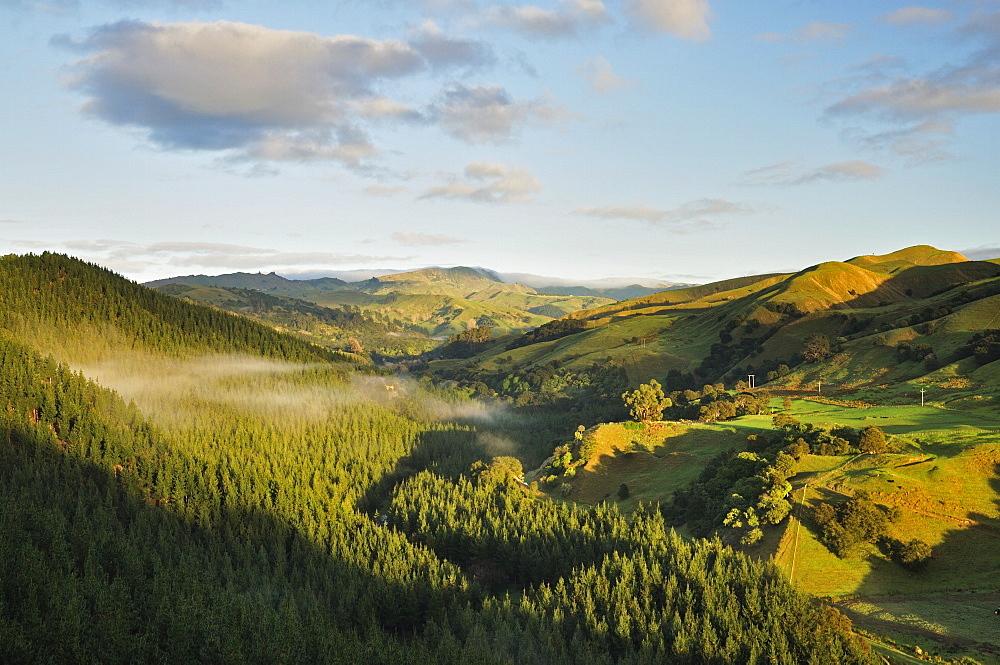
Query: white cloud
[916,14]
[687,19]
[790,173]
[569,19]
[924,108]
[488,182]
[443,51]
[488,114]
[812,33]
[259,94]
[602,77]
[916,97]
[410,239]
[697,212]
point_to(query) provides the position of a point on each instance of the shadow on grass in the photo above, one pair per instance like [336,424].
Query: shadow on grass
[958,611]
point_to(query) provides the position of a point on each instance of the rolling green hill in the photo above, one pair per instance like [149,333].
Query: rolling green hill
[436,301]
[871,310]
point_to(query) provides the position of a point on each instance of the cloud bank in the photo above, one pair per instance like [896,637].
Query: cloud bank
[264,95]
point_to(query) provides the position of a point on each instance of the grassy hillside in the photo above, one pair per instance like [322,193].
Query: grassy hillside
[945,482]
[942,479]
[866,308]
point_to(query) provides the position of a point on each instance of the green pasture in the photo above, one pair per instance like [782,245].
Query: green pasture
[652,462]
[955,619]
[897,419]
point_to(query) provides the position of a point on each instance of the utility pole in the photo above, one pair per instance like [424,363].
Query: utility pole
[921,397]
[819,385]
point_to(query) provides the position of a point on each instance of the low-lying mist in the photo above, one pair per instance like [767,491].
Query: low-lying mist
[177,392]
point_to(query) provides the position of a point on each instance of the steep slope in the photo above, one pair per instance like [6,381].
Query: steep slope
[84,313]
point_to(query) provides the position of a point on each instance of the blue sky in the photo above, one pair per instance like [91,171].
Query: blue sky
[685,140]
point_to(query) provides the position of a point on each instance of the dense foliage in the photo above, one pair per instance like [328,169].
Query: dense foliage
[341,530]
[56,301]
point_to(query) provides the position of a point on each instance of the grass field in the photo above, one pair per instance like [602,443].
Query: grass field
[946,481]
[653,462]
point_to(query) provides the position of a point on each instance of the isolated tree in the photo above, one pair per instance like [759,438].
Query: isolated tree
[502,470]
[354,346]
[816,347]
[647,402]
[872,440]
[786,404]
[914,555]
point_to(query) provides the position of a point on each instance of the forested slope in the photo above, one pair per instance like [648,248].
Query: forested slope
[200,526]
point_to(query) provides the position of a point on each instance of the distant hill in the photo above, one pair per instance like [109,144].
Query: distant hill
[437,301]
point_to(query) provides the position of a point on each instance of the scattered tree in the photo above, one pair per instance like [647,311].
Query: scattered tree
[647,402]
[816,348]
[914,555]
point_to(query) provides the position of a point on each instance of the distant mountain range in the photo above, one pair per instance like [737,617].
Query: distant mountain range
[617,288]
[436,302]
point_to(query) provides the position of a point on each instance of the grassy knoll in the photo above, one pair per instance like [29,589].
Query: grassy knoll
[653,462]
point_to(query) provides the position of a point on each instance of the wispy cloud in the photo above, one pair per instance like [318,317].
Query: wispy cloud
[813,33]
[602,77]
[66,6]
[134,257]
[567,20]
[411,239]
[922,109]
[917,14]
[488,114]
[385,190]
[687,19]
[792,173]
[699,212]
[488,182]
[919,143]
